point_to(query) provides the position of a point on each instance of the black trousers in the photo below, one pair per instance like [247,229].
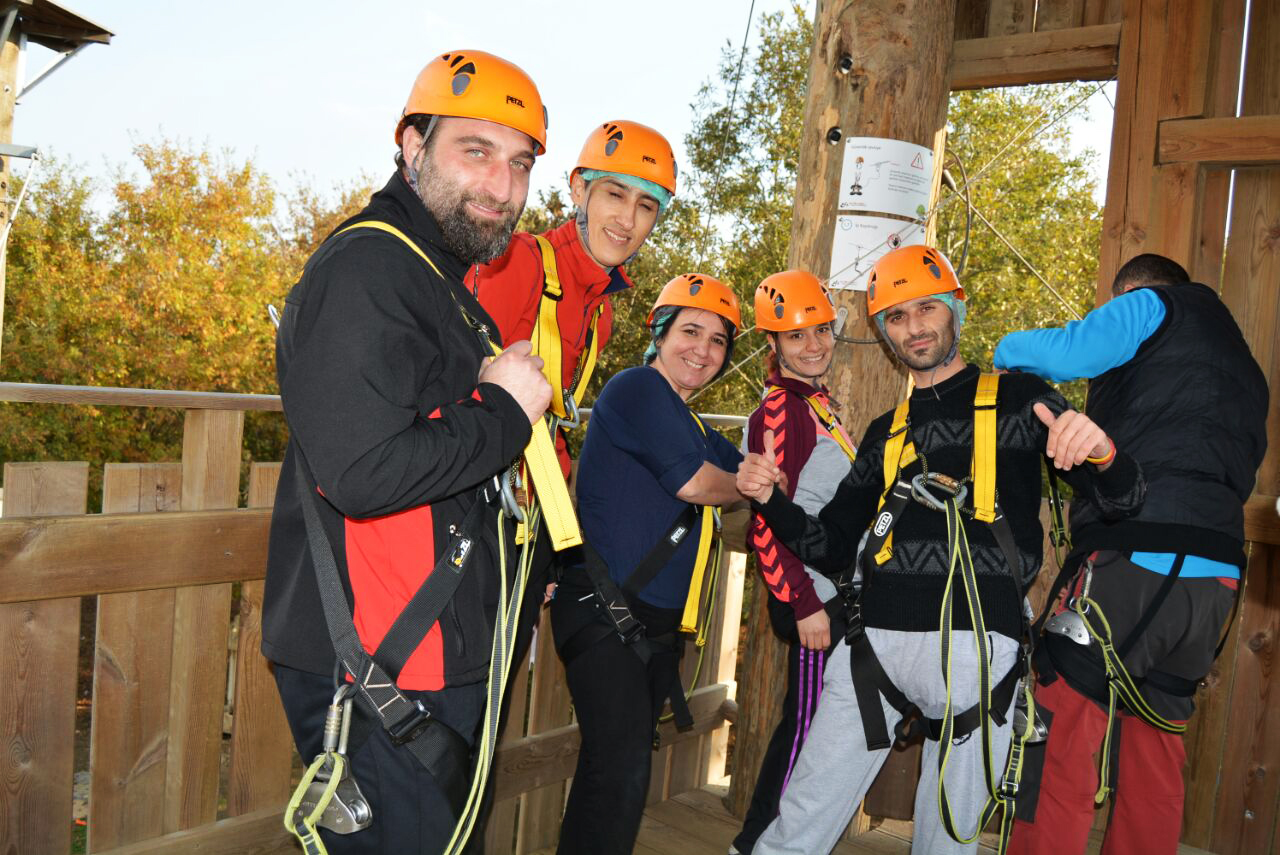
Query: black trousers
[618,699]
[410,811]
[804,687]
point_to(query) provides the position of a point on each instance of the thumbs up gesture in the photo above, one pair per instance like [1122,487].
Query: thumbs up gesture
[1073,436]
[759,473]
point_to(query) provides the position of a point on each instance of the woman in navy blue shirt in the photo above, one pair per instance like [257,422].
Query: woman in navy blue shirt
[647,471]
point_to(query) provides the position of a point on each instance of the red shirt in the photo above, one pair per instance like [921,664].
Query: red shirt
[510,287]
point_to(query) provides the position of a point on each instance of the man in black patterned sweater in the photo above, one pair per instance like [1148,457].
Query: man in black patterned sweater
[918,306]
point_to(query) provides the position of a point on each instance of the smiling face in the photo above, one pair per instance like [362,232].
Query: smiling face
[921,332]
[804,354]
[619,217]
[473,176]
[692,351]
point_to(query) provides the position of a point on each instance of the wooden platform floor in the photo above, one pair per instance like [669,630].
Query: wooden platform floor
[696,823]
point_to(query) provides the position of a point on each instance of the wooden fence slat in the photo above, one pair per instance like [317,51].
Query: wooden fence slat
[201,623]
[259,833]
[39,648]
[724,658]
[1009,17]
[129,732]
[261,745]
[500,833]
[549,708]
[1080,53]
[1059,14]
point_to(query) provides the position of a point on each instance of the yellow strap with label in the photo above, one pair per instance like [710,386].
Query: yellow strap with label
[689,619]
[546,335]
[984,448]
[539,455]
[896,450]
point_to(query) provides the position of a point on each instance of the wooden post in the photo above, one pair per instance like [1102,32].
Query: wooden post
[9,61]
[201,622]
[896,85]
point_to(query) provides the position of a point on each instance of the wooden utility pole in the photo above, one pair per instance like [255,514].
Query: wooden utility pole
[878,68]
[10,55]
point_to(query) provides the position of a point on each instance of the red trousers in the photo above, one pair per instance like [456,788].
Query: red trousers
[1148,792]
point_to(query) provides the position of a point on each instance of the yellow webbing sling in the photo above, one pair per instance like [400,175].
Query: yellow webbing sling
[899,454]
[546,336]
[689,619]
[832,424]
[539,454]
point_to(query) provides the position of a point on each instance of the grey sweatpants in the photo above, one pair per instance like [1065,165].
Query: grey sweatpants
[835,769]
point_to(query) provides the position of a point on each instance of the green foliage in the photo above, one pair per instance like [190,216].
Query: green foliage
[168,290]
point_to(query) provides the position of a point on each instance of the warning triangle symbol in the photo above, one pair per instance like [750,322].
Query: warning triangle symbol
[917,162]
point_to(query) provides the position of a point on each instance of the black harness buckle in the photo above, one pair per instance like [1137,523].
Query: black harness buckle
[411,725]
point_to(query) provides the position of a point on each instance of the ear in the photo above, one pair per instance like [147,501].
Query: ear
[411,145]
[771,339]
[577,189]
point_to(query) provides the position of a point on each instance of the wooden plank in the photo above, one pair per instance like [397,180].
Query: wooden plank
[500,832]
[724,657]
[1261,521]
[686,758]
[108,396]
[1079,53]
[39,647]
[50,557]
[1245,811]
[971,19]
[763,686]
[201,623]
[1102,12]
[549,709]
[541,759]
[261,745]
[1059,15]
[259,833]
[1243,141]
[1009,17]
[129,733]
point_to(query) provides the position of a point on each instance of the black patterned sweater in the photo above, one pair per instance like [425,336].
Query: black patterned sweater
[906,592]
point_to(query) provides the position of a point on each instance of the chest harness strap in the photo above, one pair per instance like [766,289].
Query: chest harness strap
[611,600]
[945,494]
[827,419]
[548,344]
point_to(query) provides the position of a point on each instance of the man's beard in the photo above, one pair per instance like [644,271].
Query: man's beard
[472,241]
[931,358]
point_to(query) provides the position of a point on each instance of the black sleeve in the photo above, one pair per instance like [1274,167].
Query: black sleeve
[361,344]
[829,541]
[1118,492]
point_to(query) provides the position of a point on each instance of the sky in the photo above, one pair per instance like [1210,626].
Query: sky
[311,91]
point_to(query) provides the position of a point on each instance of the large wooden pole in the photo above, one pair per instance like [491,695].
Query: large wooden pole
[878,68]
[10,55]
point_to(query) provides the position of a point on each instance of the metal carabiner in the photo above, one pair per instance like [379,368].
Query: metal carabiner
[922,483]
[507,484]
[573,418]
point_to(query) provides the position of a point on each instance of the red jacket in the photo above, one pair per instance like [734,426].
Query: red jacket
[510,288]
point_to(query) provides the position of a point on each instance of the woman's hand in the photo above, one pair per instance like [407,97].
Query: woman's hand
[815,631]
[758,474]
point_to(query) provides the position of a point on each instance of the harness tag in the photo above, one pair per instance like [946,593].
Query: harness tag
[883,523]
[678,534]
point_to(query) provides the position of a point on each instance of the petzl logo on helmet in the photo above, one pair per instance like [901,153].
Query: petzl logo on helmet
[511,99]
[461,73]
[647,159]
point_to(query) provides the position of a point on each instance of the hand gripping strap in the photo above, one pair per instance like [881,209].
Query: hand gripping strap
[984,448]
[539,454]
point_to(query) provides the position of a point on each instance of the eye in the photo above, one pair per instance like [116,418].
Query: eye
[648,206]
[521,165]
[615,194]
[824,329]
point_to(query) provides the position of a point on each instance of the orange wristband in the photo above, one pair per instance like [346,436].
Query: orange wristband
[1106,458]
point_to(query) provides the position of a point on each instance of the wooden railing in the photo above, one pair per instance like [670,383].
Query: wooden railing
[182,735]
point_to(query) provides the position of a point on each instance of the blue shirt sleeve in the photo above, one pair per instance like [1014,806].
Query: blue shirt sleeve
[648,421]
[1107,337]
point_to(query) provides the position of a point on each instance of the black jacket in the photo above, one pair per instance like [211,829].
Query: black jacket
[1191,407]
[377,370]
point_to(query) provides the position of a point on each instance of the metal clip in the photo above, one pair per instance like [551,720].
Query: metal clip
[348,810]
[507,484]
[572,418]
[923,483]
[1069,624]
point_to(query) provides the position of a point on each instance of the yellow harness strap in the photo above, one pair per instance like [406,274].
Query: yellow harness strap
[828,420]
[689,619]
[539,454]
[546,335]
[897,454]
[984,448]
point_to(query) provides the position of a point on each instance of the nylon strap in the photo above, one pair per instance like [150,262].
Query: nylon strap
[546,335]
[689,619]
[828,421]
[896,448]
[540,453]
[984,448]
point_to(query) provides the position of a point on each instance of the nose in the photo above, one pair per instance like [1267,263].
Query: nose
[498,182]
[626,216]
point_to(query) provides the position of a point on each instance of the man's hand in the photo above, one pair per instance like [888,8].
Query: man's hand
[815,631]
[520,373]
[759,473]
[1073,436]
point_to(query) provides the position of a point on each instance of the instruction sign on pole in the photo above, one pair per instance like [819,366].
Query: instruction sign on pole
[860,241]
[886,176]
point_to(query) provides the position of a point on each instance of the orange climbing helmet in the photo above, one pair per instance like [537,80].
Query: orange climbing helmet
[630,148]
[696,291]
[472,84]
[792,300]
[908,273]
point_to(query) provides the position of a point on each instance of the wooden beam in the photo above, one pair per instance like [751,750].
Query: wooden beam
[258,833]
[50,557]
[1054,56]
[1261,520]
[1243,141]
[536,761]
[105,396]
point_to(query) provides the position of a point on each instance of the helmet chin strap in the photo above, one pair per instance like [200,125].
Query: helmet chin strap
[411,170]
